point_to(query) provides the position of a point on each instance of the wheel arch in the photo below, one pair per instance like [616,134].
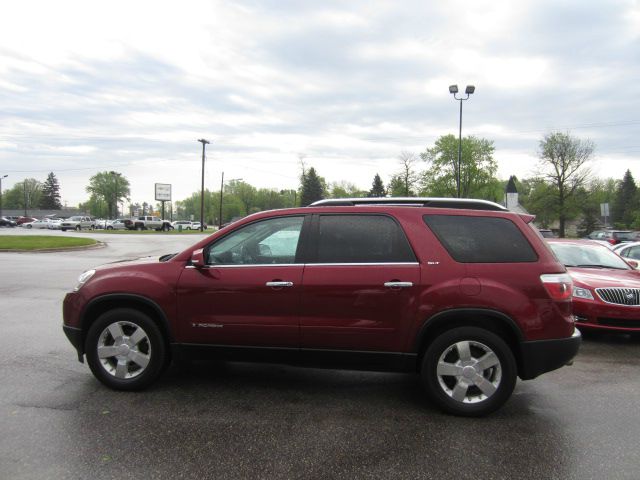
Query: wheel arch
[100,305]
[492,320]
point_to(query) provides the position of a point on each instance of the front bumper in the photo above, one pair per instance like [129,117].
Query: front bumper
[606,316]
[75,337]
[542,356]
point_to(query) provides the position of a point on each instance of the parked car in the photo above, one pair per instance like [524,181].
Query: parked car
[546,233]
[196,226]
[22,220]
[6,222]
[606,291]
[78,222]
[630,250]
[118,224]
[462,291]
[182,225]
[612,237]
[147,222]
[44,223]
[55,224]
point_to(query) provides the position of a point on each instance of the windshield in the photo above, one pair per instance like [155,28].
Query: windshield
[623,235]
[587,256]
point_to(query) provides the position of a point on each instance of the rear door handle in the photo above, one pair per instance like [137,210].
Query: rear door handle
[398,284]
[279,284]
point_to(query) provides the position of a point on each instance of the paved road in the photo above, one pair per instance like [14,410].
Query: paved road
[262,421]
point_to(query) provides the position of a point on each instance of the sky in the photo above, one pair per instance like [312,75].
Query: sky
[131,86]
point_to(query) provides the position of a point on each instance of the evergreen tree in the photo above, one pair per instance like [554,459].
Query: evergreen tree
[377,188]
[312,189]
[50,198]
[625,204]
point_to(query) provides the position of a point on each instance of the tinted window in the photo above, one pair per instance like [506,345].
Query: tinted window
[273,241]
[361,239]
[481,239]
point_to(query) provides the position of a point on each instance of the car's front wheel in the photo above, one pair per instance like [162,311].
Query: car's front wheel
[469,371]
[125,349]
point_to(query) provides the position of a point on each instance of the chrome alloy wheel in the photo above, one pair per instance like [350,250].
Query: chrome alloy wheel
[469,371]
[124,350]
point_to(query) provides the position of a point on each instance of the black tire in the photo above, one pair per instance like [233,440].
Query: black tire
[78,228]
[63,229]
[479,390]
[29,226]
[139,349]
[109,227]
[139,227]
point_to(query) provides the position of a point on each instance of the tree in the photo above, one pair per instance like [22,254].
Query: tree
[50,199]
[404,182]
[23,195]
[563,160]
[625,205]
[112,187]
[312,189]
[477,168]
[377,188]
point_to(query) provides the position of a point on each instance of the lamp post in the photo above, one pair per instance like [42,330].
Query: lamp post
[453,89]
[204,143]
[1,177]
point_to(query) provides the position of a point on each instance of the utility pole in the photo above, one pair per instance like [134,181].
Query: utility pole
[204,143]
[1,177]
[221,189]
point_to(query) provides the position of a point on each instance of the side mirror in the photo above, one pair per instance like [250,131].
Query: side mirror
[197,258]
[633,263]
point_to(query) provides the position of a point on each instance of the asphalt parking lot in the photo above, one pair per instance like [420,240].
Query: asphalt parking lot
[213,420]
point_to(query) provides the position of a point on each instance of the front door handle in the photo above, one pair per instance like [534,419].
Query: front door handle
[279,284]
[398,284]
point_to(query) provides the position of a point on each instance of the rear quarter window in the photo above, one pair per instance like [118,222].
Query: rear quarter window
[481,239]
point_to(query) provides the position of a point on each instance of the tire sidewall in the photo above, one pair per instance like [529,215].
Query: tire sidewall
[491,340]
[158,349]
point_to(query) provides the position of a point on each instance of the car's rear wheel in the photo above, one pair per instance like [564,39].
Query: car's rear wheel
[78,228]
[469,371]
[125,349]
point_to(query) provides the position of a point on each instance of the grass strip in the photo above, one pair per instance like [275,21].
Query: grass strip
[41,242]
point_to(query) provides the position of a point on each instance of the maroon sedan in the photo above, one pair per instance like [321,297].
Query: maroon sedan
[606,291]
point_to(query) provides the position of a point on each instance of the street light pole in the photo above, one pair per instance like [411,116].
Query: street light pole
[204,143]
[453,89]
[1,177]
[221,190]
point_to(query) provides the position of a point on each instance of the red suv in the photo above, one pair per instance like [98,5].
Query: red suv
[462,292]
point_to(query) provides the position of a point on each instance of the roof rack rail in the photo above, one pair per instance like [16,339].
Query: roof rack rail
[464,203]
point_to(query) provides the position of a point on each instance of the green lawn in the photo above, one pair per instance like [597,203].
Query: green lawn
[148,232]
[40,242]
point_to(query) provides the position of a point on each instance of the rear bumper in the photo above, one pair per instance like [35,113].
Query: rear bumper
[543,356]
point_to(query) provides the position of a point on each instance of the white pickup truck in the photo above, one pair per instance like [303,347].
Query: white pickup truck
[147,222]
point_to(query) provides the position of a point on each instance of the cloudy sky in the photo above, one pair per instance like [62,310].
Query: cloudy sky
[88,86]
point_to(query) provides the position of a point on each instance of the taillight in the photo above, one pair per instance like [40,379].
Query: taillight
[559,286]
[612,241]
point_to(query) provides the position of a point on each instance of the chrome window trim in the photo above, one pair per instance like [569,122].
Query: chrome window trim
[363,264]
[308,265]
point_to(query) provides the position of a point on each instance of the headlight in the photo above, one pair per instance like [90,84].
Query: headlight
[84,278]
[582,293]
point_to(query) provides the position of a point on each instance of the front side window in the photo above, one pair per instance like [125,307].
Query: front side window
[362,239]
[272,241]
[481,239]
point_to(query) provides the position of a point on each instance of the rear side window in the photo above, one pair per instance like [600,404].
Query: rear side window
[362,239]
[481,239]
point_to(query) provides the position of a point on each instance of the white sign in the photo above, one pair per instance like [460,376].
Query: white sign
[604,209]
[163,192]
